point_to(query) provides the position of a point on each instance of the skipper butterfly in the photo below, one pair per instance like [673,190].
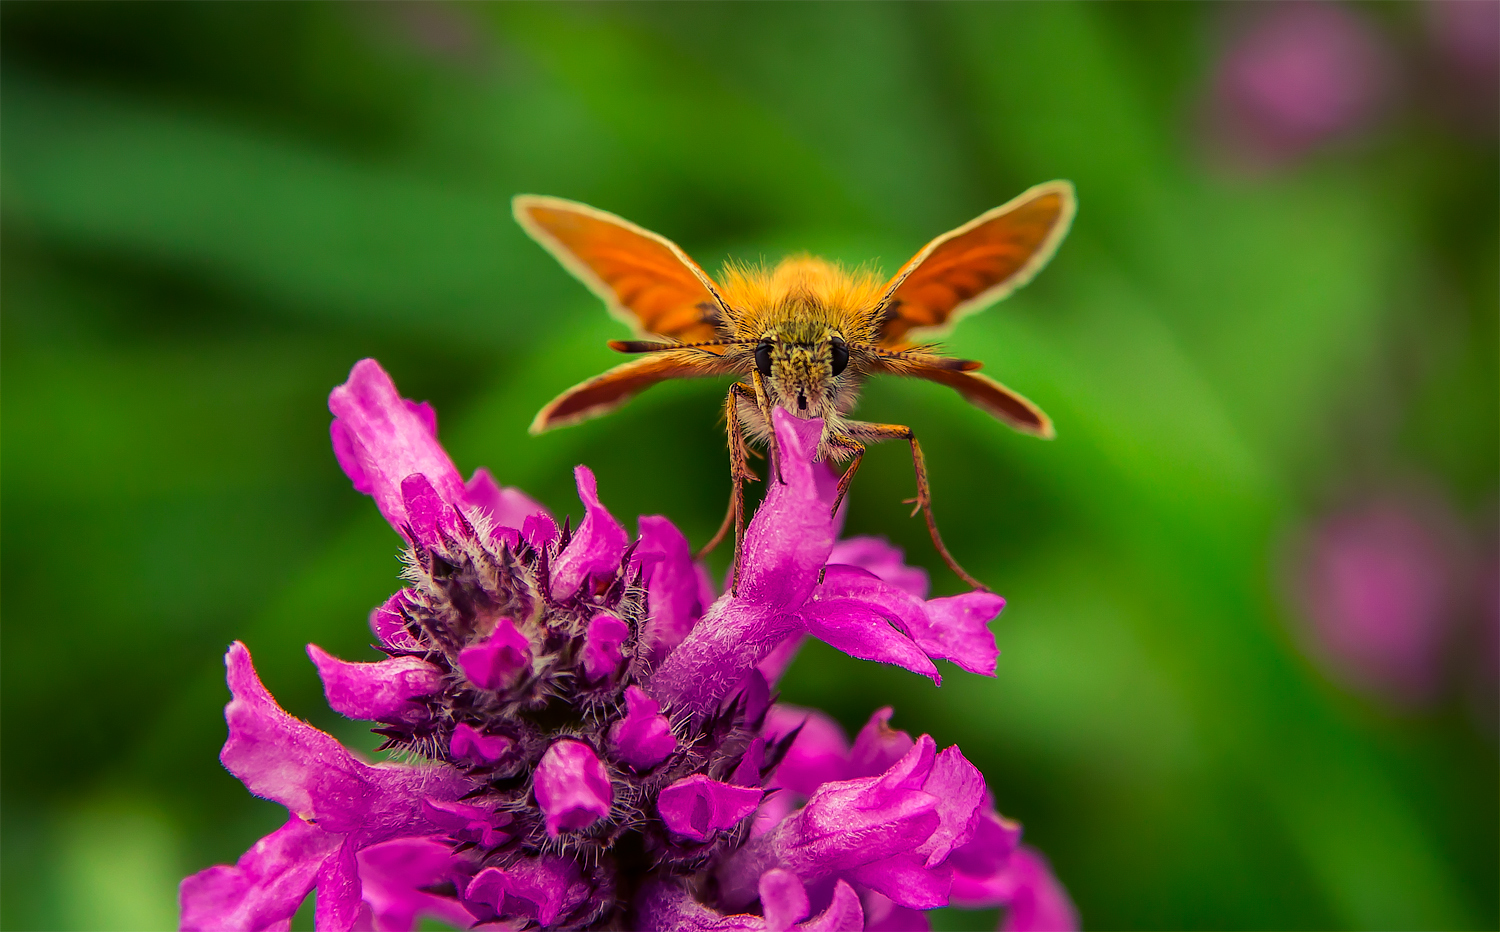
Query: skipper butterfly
[802,335]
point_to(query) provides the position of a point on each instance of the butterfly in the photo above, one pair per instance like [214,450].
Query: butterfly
[802,335]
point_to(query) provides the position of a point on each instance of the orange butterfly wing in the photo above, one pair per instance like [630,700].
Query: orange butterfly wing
[989,395]
[644,279]
[979,263]
[606,392]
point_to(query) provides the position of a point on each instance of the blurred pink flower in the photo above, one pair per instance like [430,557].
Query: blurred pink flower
[1296,76]
[1382,588]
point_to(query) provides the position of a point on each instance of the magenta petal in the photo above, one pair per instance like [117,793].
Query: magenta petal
[878,745]
[470,823]
[876,555]
[861,629]
[572,787]
[959,788]
[697,807]
[498,661]
[783,899]
[664,906]
[1040,904]
[844,913]
[721,649]
[747,771]
[279,757]
[959,630]
[505,507]
[884,915]
[596,547]
[340,905]
[601,647]
[264,888]
[785,546]
[467,742]
[980,875]
[380,440]
[781,656]
[539,530]
[427,515]
[818,754]
[535,888]
[672,587]
[906,880]
[792,532]
[394,874]
[844,825]
[376,691]
[644,737]
[388,625]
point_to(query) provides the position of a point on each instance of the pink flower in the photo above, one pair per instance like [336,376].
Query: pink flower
[595,726]
[1297,76]
[1380,586]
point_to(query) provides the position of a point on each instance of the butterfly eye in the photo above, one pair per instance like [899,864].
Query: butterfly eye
[763,358]
[840,356]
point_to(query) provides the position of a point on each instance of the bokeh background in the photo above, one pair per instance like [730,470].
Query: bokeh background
[1248,668]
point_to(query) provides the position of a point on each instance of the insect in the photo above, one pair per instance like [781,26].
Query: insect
[801,335]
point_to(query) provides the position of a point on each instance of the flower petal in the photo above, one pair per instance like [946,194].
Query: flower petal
[878,745]
[572,787]
[468,742]
[498,661]
[884,915]
[906,880]
[818,753]
[664,906]
[713,660]
[844,913]
[395,874]
[265,886]
[792,532]
[279,757]
[1040,903]
[862,629]
[506,507]
[775,664]
[597,545]
[959,788]
[380,691]
[980,877]
[380,440]
[388,624]
[876,555]
[672,587]
[601,647]
[340,905]
[428,517]
[959,630]
[643,738]
[470,823]
[536,888]
[783,899]
[844,825]
[696,807]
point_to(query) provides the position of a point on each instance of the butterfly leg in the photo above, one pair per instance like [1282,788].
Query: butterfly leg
[859,431]
[762,400]
[856,450]
[739,473]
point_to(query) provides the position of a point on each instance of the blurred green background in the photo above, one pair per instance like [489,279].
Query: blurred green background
[211,211]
